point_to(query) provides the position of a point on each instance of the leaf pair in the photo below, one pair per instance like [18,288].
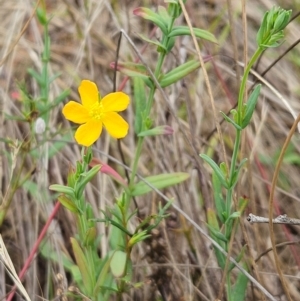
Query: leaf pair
[241,122]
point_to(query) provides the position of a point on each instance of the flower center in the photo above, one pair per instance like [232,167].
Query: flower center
[96,111]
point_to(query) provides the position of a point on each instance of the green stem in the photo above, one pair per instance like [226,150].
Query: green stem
[253,59]
[141,139]
[238,132]
[237,142]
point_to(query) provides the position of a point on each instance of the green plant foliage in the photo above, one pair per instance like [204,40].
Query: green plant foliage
[83,266]
[178,73]
[250,106]
[118,263]
[199,33]
[158,182]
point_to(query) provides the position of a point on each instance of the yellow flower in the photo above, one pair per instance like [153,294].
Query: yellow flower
[94,113]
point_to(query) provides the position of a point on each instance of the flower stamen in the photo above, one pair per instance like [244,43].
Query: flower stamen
[96,111]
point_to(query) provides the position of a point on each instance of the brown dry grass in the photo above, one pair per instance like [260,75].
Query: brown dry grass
[177,262]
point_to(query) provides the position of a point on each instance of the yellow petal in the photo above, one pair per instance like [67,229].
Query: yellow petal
[88,93]
[88,133]
[115,102]
[75,112]
[116,126]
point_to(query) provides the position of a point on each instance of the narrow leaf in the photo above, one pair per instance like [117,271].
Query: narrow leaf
[218,198]
[217,235]
[156,43]
[231,121]
[178,73]
[159,182]
[240,287]
[68,204]
[62,189]
[199,33]
[214,227]
[86,178]
[148,14]
[57,100]
[105,279]
[251,104]
[82,265]
[164,14]
[215,168]
[159,130]
[35,75]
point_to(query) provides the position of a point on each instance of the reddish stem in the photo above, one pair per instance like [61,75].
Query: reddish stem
[34,249]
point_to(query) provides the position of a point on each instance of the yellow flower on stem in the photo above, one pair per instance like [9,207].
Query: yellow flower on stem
[96,112]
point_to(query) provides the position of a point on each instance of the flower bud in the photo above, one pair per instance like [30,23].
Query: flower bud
[39,126]
[271,30]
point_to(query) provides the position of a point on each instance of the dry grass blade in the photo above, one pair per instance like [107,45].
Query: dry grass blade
[5,259]
[274,181]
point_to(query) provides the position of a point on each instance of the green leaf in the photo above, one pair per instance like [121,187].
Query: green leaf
[216,169]
[233,215]
[214,228]
[137,237]
[117,237]
[36,76]
[240,287]
[105,279]
[199,33]
[250,106]
[83,266]
[63,95]
[118,263]
[54,77]
[224,169]
[140,103]
[178,73]
[159,182]
[156,43]
[85,179]
[148,14]
[159,130]
[218,198]
[237,259]
[228,119]
[90,237]
[174,8]
[62,189]
[68,204]
[41,16]
[217,235]
[162,11]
